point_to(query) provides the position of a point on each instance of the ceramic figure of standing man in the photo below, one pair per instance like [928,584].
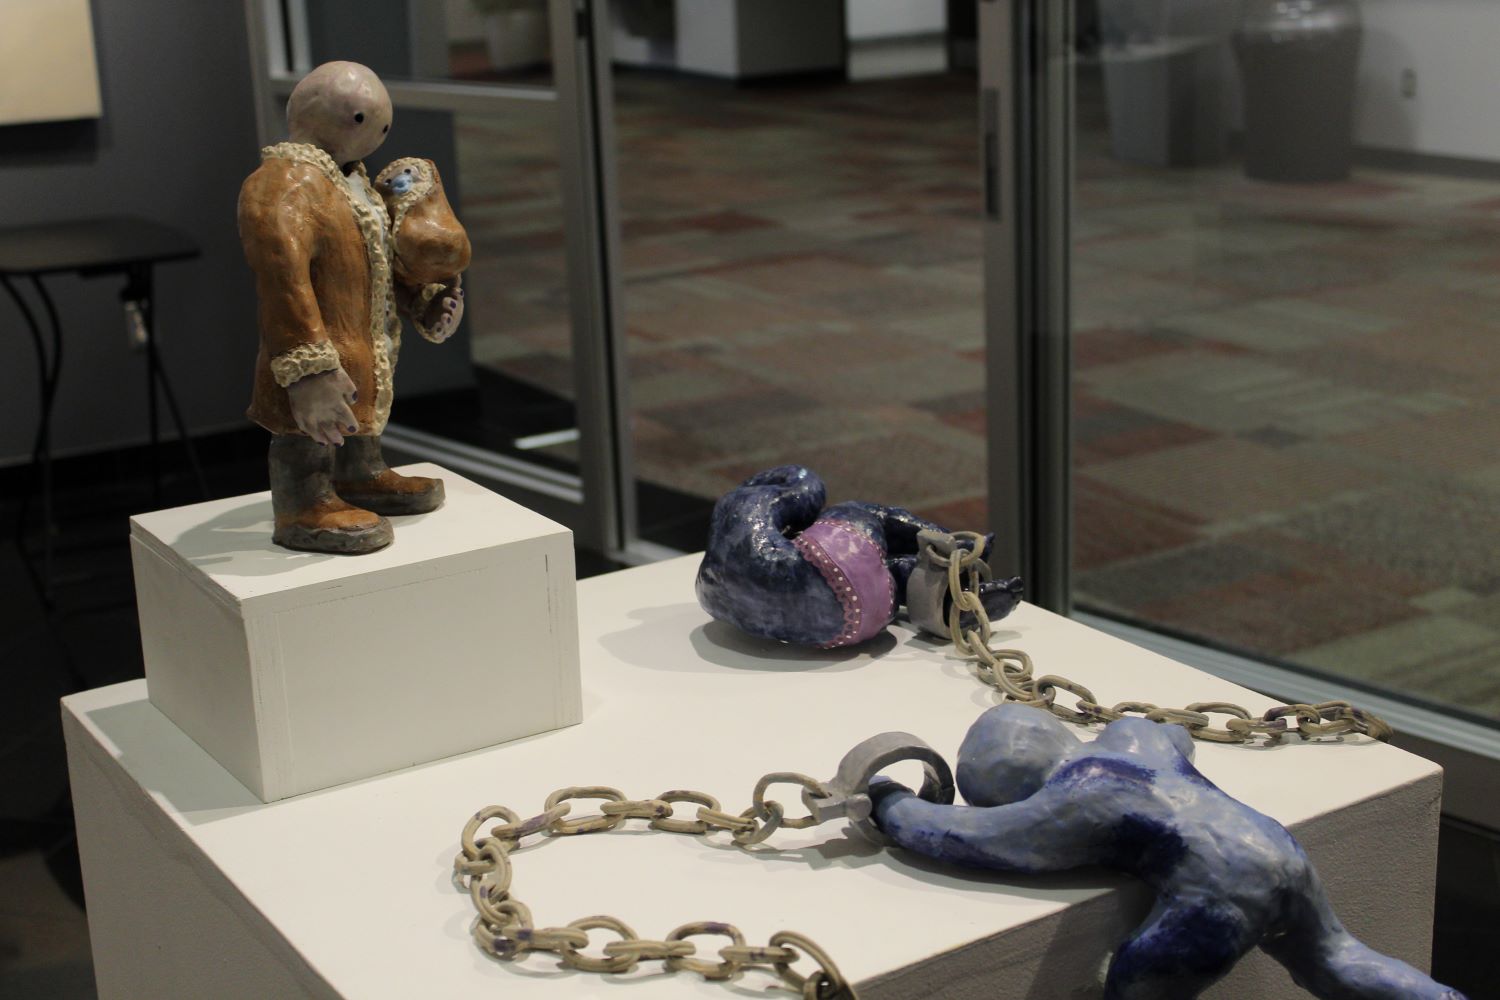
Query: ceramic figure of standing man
[338,261]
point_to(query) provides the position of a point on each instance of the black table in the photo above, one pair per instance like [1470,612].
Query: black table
[120,245]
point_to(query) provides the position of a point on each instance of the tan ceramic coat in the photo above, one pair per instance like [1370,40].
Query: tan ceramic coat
[324,280]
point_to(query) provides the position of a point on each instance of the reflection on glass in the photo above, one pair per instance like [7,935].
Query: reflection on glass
[520,338]
[1287,435]
[802,254]
[504,382]
[499,41]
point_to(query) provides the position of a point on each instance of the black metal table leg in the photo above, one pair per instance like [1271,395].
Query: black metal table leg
[140,289]
[48,372]
[49,526]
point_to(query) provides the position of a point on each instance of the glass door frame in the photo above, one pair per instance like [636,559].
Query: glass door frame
[1026,100]
[1030,133]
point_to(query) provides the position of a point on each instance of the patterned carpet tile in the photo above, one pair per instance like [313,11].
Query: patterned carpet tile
[1104,431]
[1230,394]
[1230,478]
[1277,324]
[830,355]
[1347,364]
[902,381]
[667,447]
[911,470]
[1464,350]
[698,317]
[1113,296]
[1332,563]
[1418,297]
[963,410]
[719,411]
[1463,439]
[758,441]
[1174,574]
[1108,345]
[1270,275]
[1479,611]
[801,277]
[1411,653]
[967,514]
[1435,531]
[958,331]
[664,389]
[1468,679]
[1483,477]
[1110,527]
[1280,614]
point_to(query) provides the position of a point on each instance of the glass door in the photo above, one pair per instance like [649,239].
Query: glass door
[1253,344]
[800,198]
[1285,341]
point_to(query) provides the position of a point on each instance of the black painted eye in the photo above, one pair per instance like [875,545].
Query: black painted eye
[359,117]
[384,130]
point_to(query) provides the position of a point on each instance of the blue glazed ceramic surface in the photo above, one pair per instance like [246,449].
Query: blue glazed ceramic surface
[755,576]
[1227,878]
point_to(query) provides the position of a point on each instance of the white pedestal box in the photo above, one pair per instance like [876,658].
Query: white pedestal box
[195,889]
[297,671]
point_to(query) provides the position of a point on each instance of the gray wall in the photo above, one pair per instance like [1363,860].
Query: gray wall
[176,140]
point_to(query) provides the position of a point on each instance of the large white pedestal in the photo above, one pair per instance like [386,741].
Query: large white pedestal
[297,671]
[195,888]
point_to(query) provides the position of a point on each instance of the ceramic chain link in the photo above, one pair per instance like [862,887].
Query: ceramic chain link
[505,927]
[1009,672]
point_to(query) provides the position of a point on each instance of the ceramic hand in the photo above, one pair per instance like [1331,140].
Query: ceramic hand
[999,598]
[884,793]
[444,313]
[321,406]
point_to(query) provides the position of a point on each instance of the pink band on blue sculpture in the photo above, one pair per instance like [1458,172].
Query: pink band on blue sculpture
[855,568]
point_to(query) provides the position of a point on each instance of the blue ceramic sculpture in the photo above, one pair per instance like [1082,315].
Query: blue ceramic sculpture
[780,565]
[1227,878]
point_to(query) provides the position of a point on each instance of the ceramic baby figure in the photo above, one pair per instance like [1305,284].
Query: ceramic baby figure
[338,261]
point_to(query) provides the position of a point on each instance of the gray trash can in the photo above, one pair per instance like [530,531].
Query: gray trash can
[1298,61]
[1168,79]
[1168,101]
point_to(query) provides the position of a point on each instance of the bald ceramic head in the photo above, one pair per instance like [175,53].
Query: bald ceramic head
[342,108]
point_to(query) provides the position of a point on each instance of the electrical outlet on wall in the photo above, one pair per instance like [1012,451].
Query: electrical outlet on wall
[1408,83]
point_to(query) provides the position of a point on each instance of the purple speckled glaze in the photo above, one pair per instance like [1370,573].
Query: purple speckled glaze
[855,568]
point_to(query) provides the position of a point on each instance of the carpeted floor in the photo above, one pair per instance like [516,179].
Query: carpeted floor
[1287,439]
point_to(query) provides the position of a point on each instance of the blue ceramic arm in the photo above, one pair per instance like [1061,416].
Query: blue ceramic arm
[1020,837]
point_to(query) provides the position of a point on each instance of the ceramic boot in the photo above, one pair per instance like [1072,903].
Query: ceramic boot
[310,516]
[362,477]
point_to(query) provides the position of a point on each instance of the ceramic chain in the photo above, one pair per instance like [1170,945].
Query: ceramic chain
[1009,672]
[505,928]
